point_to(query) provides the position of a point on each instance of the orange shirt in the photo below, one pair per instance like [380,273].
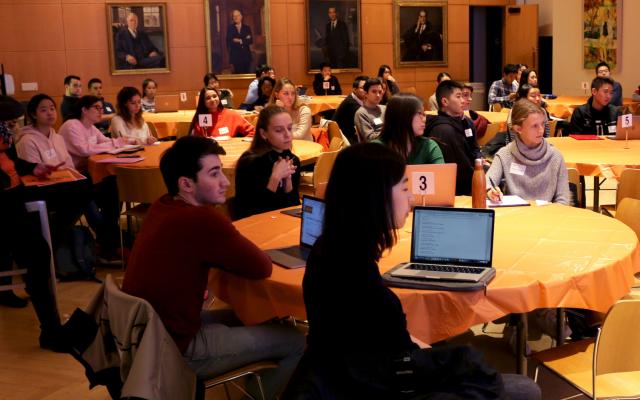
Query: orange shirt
[225,123]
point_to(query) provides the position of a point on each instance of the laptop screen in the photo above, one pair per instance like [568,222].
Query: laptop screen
[312,220]
[456,236]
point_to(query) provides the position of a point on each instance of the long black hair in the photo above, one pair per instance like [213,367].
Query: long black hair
[201,108]
[397,130]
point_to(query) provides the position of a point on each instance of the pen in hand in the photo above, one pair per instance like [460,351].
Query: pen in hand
[496,190]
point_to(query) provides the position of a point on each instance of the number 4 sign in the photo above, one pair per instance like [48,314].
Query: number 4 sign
[627,121]
[204,120]
[422,183]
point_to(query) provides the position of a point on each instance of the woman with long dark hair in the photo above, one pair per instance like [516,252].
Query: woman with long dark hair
[222,122]
[129,122]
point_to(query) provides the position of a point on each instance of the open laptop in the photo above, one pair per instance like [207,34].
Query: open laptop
[167,103]
[432,184]
[310,228]
[633,132]
[450,244]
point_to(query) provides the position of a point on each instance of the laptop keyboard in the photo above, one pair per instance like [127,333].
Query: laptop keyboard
[297,252]
[446,268]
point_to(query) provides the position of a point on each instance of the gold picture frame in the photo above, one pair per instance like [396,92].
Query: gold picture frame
[420,33]
[146,51]
[235,54]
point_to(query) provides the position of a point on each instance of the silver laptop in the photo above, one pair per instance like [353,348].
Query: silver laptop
[310,228]
[167,103]
[450,244]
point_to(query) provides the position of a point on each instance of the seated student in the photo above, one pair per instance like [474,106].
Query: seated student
[368,118]
[324,83]
[532,94]
[454,133]
[384,74]
[529,77]
[530,166]
[285,95]
[598,115]
[433,103]
[503,91]
[21,238]
[222,121]
[129,124]
[108,112]
[39,143]
[149,89]
[346,111]
[211,81]
[181,239]
[252,92]
[72,92]
[516,82]
[404,122]
[265,89]
[479,121]
[356,363]
[603,71]
[267,175]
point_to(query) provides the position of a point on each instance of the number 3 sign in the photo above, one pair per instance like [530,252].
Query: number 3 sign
[422,183]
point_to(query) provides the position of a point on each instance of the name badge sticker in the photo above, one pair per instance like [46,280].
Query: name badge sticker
[49,154]
[377,121]
[517,169]
[204,120]
[223,131]
[224,102]
[423,183]
[468,132]
[93,140]
[612,128]
[108,109]
[326,85]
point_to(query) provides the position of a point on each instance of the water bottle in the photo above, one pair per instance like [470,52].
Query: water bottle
[478,186]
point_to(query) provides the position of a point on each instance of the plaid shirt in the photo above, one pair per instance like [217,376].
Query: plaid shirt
[499,93]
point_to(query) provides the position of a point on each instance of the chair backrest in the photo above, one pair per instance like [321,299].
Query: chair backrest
[629,185]
[182,129]
[617,348]
[495,107]
[323,167]
[574,178]
[553,124]
[492,130]
[628,212]
[139,185]
[505,110]
[152,129]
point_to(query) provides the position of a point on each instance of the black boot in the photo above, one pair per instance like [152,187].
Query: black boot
[9,299]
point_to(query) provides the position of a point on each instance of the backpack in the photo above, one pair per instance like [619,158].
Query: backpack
[76,257]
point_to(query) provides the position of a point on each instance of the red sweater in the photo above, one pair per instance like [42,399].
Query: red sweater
[227,121]
[170,261]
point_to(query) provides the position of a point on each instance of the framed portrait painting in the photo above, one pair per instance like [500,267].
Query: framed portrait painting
[333,35]
[237,36]
[420,33]
[138,38]
[601,32]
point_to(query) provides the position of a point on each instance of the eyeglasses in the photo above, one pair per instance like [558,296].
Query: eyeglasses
[98,108]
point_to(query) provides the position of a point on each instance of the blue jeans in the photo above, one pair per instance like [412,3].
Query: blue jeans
[223,344]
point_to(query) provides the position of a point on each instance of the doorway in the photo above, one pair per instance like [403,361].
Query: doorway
[485,47]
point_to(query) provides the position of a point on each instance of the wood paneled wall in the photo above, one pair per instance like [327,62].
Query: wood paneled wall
[44,40]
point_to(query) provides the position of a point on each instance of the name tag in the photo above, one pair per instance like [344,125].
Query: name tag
[49,154]
[468,132]
[223,131]
[517,169]
[423,183]
[108,109]
[377,121]
[326,85]
[224,102]
[93,140]
[204,120]
[612,129]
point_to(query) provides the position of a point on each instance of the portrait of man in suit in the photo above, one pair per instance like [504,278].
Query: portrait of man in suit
[134,49]
[334,34]
[420,33]
[336,40]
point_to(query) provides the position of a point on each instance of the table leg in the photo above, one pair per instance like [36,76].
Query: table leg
[521,344]
[596,194]
[560,324]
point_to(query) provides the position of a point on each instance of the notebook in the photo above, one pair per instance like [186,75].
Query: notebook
[432,184]
[450,244]
[167,103]
[632,133]
[312,220]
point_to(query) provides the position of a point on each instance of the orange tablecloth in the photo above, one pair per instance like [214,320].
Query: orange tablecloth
[563,106]
[318,104]
[307,151]
[166,122]
[607,158]
[551,256]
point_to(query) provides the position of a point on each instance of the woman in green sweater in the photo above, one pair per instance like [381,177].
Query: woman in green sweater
[403,128]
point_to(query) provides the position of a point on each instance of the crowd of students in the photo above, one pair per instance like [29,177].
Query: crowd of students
[182,237]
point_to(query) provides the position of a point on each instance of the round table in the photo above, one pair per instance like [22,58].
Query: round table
[545,256]
[306,151]
[166,122]
[318,104]
[598,158]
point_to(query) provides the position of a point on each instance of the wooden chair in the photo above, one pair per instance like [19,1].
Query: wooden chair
[336,141]
[182,129]
[137,189]
[495,107]
[610,367]
[309,183]
[553,124]
[152,129]
[492,130]
[628,186]
[574,179]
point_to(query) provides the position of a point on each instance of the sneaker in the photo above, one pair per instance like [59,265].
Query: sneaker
[9,299]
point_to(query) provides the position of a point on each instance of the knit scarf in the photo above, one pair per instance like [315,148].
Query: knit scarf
[526,155]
